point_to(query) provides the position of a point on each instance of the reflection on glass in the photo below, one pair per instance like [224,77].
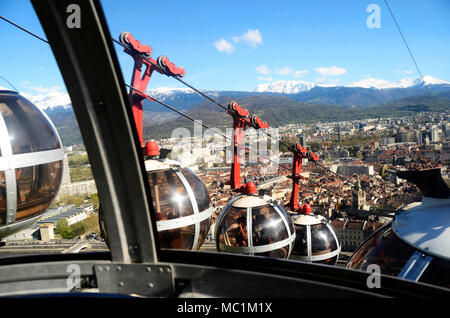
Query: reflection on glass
[204,229]
[301,241]
[171,201]
[322,240]
[267,228]
[36,187]
[200,192]
[170,198]
[287,218]
[2,198]
[385,249]
[233,230]
[180,238]
[28,129]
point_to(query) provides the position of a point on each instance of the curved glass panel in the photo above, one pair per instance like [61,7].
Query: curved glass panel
[2,198]
[180,238]
[200,192]
[301,241]
[322,240]
[171,201]
[267,226]
[383,248]
[170,198]
[36,188]
[28,129]
[204,229]
[278,253]
[287,218]
[232,230]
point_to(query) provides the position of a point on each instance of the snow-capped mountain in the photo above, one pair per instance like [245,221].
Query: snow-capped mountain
[296,87]
[50,100]
[285,87]
[167,92]
[367,91]
[403,83]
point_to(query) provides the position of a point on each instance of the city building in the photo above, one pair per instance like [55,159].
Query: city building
[352,233]
[46,231]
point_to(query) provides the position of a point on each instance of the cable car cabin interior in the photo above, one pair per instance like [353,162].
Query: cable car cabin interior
[156,213]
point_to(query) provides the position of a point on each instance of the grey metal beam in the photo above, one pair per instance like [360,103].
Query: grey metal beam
[91,72]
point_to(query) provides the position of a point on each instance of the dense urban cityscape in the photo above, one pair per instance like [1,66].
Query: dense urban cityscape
[355,186]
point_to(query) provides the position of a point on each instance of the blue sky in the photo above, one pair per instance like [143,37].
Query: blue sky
[236,45]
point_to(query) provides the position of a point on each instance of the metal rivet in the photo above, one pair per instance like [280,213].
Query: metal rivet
[148,269]
[99,106]
[160,270]
[120,284]
[119,268]
[107,268]
[150,285]
[167,270]
[100,268]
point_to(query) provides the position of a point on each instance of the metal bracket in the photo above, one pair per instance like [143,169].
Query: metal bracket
[415,267]
[138,279]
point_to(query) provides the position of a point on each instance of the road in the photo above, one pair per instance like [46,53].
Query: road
[53,246]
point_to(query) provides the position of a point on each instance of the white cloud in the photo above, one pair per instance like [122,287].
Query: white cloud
[263,69]
[252,38]
[331,71]
[284,71]
[299,73]
[224,46]
[265,79]
[403,72]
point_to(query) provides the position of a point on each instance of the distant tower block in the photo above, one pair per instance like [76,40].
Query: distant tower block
[359,196]
[302,140]
[339,134]
[66,171]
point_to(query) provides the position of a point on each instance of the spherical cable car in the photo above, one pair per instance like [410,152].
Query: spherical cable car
[316,240]
[31,162]
[251,224]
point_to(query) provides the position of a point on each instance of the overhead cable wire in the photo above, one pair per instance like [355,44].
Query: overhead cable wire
[193,88]
[226,137]
[245,119]
[409,50]
[23,29]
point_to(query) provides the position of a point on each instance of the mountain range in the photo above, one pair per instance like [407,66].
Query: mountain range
[279,103]
[367,92]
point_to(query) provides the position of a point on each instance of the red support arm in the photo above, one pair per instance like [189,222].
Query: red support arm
[144,66]
[299,154]
[240,122]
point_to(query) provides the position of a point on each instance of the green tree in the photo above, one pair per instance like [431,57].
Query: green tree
[63,229]
[314,147]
